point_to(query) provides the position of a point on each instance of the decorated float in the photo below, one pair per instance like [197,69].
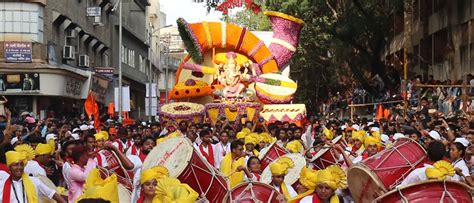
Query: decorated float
[232,73]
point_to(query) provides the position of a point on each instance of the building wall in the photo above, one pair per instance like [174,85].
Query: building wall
[441,39]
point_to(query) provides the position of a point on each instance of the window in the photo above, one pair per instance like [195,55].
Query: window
[22,21]
[142,63]
[131,58]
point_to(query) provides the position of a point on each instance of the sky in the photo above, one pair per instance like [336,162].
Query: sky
[191,12]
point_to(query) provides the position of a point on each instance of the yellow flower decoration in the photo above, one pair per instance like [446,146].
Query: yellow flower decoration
[442,169]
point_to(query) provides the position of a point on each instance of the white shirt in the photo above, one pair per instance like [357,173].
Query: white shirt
[137,170]
[461,164]
[41,189]
[215,151]
[223,150]
[66,168]
[291,191]
[416,175]
[307,199]
[33,168]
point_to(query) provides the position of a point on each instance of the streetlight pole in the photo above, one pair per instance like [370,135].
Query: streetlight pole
[120,105]
[149,73]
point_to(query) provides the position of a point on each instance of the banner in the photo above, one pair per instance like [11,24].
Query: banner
[99,87]
[19,82]
[18,52]
[125,98]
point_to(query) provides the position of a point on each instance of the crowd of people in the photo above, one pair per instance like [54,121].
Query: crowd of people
[71,154]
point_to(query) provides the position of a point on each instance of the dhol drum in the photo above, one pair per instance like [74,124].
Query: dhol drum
[124,194]
[271,153]
[114,166]
[253,192]
[185,164]
[384,170]
[327,155]
[50,185]
[429,191]
[293,173]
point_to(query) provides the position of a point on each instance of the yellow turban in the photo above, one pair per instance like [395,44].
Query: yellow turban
[267,138]
[52,144]
[14,157]
[241,135]
[156,172]
[369,140]
[251,138]
[98,188]
[442,169]
[27,150]
[333,176]
[246,130]
[308,178]
[360,135]
[294,146]
[171,135]
[377,135]
[102,135]
[43,149]
[281,166]
[328,133]
[171,190]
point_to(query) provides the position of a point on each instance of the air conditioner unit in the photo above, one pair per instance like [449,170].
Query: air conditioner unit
[97,21]
[68,52]
[70,33]
[84,61]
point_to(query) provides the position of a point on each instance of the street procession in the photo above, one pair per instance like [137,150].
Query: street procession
[241,120]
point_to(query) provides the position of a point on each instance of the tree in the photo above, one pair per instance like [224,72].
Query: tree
[353,32]
[249,19]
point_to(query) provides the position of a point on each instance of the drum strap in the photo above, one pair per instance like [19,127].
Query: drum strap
[142,156]
[134,150]
[209,155]
[99,159]
[7,188]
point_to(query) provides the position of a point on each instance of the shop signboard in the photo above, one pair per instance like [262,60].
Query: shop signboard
[19,82]
[99,87]
[105,71]
[18,52]
[73,87]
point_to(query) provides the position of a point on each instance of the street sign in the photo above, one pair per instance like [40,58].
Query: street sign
[105,71]
[93,11]
[18,52]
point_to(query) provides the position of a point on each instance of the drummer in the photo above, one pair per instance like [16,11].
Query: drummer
[233,164]
[436,151]
[253,170]
[328,181]
[100,139]
[457,153]
[279,169]
[307,180]
[372,146]
[79,171]
[357,143]
[147,186]
[43,158]
[21,188]
[251,140]
[206,148]
[223,147]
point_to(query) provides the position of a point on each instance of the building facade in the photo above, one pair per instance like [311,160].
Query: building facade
[438,35]
[55,52]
